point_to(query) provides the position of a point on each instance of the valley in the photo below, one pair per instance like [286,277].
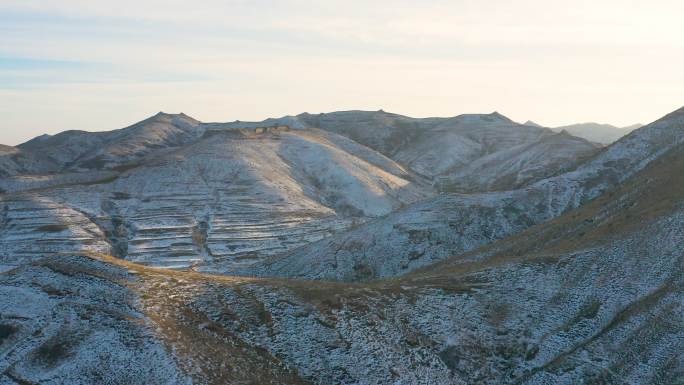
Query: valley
[331,251]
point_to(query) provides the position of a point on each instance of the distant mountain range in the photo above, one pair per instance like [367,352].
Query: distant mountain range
[594,132]
[346,248]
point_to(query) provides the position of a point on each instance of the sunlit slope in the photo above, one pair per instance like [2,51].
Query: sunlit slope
[594,296]
[452,224]
[172,191]
[225,200]
[465,153]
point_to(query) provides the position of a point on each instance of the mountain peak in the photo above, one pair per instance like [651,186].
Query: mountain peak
[162,116]
[477,118]
[497,115]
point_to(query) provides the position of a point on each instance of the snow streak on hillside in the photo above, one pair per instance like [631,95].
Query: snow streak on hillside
[574,278]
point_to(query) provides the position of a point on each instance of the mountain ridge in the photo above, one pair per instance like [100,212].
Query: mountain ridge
[432,230]
[592,294]
[521,311]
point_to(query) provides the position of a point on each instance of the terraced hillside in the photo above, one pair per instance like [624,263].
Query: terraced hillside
[453,224]
[33,225]
[593,296]
[228,199]
[172,191]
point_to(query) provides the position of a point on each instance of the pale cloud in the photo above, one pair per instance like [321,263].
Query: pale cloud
[550,61]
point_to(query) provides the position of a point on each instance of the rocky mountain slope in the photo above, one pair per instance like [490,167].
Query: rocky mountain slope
[593,296]
[452,224]
[517,165]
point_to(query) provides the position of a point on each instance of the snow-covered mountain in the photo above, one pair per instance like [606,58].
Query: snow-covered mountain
[230,197]
[593,296]
[448,151]
[574,278]
[77,150]
[56,158]
[452,151]
[452,224]
[172,191]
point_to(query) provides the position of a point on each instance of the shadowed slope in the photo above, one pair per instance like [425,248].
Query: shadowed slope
[77,150]
[14,161]
[452,224]
[443,149]
[593,296]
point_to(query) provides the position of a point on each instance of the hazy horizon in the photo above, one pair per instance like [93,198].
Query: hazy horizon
[90,66]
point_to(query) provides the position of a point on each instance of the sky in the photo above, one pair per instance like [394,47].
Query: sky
[101,65]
